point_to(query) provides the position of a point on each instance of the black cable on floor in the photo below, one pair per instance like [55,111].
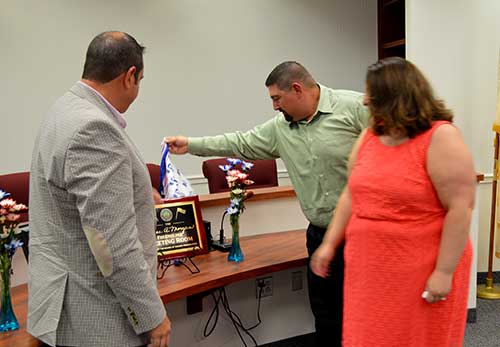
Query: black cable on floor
[235,319]
[258,310]
[215,311]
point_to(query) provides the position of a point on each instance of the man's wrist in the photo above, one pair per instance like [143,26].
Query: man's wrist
[194,145]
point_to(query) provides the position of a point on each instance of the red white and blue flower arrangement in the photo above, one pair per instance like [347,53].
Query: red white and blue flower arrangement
[237,179]
[10,240]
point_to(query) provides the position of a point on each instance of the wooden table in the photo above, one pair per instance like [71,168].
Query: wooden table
[264,254]
[218,199]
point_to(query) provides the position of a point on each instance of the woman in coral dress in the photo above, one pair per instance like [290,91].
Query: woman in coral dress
[404,216]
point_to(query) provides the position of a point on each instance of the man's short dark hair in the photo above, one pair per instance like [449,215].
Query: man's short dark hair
[110,54]
[288,72]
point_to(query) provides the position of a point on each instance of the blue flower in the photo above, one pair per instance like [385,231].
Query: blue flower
[235,202]
[233,161]
[246,166]
[3,194]
[232,210]
[13,245]
[225,168]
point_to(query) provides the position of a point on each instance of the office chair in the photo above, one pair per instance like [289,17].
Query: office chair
[154,173]
[264,174]
[18,185]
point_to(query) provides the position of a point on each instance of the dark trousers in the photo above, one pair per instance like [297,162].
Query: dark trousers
[326,294]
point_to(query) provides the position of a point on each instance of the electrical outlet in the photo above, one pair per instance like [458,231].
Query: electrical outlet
[266,283]
[297,281]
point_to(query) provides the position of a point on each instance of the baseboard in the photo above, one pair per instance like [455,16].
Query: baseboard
[481,277]
[307,339]
[301,340]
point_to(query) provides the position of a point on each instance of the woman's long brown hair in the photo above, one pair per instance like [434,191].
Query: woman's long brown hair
[401,98]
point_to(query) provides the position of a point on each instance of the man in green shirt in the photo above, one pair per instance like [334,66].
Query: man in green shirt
[313,134]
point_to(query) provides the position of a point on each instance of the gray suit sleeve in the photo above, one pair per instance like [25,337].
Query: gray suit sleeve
[98,173]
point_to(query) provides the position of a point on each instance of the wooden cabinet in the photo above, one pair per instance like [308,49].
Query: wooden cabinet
[391,28]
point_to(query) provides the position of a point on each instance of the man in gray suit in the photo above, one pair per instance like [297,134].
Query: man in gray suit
[92,269]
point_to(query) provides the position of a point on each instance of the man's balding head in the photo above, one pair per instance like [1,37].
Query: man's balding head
[110,54]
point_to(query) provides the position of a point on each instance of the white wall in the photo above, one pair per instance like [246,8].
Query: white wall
[205,65]
[205,68]
[456,43]
[284,315]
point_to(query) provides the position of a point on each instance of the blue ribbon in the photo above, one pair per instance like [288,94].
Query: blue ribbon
[163,170]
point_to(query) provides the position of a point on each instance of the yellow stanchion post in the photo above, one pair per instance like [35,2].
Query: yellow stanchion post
[490,290]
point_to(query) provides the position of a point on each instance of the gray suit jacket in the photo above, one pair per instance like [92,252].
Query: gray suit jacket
[92,264]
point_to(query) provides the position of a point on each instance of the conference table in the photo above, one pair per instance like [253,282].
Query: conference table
[264,254]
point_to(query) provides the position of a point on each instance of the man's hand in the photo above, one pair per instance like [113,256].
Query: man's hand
[160,336]
[157,197]
[177,144]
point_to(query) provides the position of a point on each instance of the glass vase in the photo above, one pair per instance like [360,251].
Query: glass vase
[235,254]
[8,320]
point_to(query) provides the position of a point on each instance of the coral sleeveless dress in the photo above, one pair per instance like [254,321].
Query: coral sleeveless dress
[392,243]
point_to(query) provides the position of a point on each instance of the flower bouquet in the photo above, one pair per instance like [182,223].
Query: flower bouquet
[237,179]
[10,215]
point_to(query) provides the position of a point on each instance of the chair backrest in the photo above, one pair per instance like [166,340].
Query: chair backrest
[264,173]
[154,173]
[18,185]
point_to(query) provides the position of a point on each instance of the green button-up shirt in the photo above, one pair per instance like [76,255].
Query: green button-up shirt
[315,153]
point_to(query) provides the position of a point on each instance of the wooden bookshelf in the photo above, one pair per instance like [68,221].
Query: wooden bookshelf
[392,44]
[391,28]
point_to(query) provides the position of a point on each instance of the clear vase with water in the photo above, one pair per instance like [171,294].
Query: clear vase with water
[235,254]
[8,320]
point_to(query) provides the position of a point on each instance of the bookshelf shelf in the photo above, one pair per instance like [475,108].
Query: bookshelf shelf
[391,28]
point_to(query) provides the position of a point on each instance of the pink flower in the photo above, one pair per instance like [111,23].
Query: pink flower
[20,207]
[7,204]
[231,179]
[233,173]
[12,217]
[242,176]
[237,180]
[3,212]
